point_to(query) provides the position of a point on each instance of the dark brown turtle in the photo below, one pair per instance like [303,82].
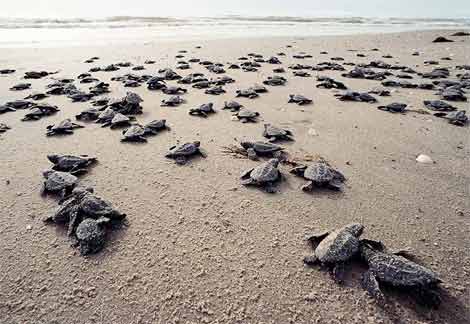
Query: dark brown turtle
[394,107]
[155,126]
[203,110]
[273,133]
[64,127]
[232,106]
[39,111]
[135,133]
[70,163]
[57,182]
[265,176]
[299,99]
[334,249]
[458,118]
[119,120]
[244,115]
[255,149]
[172,101]
[399,272]
[320,175]
[21,87]
[182,153]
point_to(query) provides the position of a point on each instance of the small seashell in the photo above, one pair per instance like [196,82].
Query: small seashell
[422,158]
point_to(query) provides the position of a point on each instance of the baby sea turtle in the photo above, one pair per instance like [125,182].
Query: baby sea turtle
[172,101]
[232,106]
[356,96]
[119,120]
[275,81]
[64,127]
[203,110]
[170,90]
[299,99]
[135,133]
[155,126]
[4,127]
[438,105]
[4,109]
[399,272]
[458,118]
[70,163]
[320,174]
[334,249]
[91,235]
[255,149]
[37,96]
[264,175]
[20,104]
[58,182]
[248,93]
[40,111]
[21,87]
[394,107]
[274,133]
[89,114]
[216,90]
[244,115]
[181,153]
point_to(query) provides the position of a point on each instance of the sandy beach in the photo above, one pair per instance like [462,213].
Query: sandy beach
[199,246]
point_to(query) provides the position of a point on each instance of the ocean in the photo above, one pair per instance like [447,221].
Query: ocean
[19,32]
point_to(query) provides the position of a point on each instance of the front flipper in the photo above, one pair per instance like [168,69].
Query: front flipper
[371,285]
[308,186]
[269,187]
[316,238]
[427,297]
[311,260]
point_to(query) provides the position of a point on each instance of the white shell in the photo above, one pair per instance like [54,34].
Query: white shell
[422,158]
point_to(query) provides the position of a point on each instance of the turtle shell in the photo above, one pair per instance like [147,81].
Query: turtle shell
[134,131]
[338,246]
[186,149]
[245,113]
[263,148]
[91,236]
[57,181]
[319,173]
[400,272]
[266,172]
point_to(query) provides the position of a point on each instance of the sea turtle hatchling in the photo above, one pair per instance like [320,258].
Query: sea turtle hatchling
[39,111]
[37,96]
[216,90]
[119,120]
[299,99]
[4,109]
[4,127]
[21,87]
[172,101]
[394,107]
[203,110]
[356,96]
[438,105]
[458,118]
[399,272]
[155,126]
[58,182]
[135,133]
[232,106]
[334,249]
[91,235]
[182,153]
[71,163]
[64,127]
[258,148]
[247,93]
[273,133]
[265,176]
[320,174]
[245,115]
[89,114]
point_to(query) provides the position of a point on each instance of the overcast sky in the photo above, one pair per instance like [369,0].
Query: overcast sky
[106,8]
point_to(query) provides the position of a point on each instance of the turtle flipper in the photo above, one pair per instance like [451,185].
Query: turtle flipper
[371,285]
[427,297]
[338,273]
[246,175]
[269,187]
[311,260]
[316,238]
[202,153]
[308,186]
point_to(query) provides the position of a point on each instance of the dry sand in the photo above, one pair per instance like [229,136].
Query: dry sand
[201,248]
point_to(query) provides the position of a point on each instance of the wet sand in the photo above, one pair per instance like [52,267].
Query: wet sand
[201,248]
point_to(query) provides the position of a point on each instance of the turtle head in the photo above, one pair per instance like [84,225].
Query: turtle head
[355,229]
[47,173]
[274,162]
[246,145]
[54,158]
[197,143]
